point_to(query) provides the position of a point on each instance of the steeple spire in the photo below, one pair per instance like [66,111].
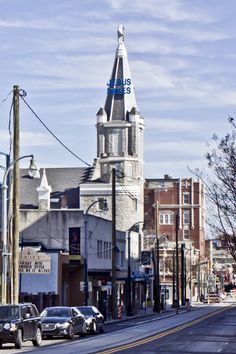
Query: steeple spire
[120,92]
[119,123]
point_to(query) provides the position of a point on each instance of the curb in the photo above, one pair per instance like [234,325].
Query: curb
[171,312]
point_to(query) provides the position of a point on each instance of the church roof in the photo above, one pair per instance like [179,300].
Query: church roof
[120,92]
[64,182]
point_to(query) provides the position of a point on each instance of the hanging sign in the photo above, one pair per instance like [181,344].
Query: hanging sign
[74,245]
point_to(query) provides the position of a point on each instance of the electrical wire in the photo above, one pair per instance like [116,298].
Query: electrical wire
[55,137]
[5,99]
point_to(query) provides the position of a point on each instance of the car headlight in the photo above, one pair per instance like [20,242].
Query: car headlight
[7,326]
[10,326]
[64,325]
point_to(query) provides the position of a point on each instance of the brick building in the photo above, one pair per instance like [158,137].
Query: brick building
[171,205]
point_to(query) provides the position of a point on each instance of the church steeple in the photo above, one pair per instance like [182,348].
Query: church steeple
[120,91]
[119,123]
[119,145]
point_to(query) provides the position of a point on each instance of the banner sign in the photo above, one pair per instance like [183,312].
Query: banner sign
[119,87]
[31,261]
[74,244]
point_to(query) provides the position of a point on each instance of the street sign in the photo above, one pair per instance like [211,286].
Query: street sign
[31,261]
[82,287]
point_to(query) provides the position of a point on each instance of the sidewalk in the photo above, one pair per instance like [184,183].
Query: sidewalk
[169,311]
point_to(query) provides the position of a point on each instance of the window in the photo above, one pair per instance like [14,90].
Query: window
[186,215]
[186,198]
[109,250]
[99,249]
[106,253]
[117,142]
[186,234]
[31,311]
[121,258]
[166,218]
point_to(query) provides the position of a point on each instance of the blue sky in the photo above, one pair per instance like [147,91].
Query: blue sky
[182,58]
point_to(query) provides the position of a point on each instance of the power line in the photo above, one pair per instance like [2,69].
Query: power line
[50,131]
[5,99]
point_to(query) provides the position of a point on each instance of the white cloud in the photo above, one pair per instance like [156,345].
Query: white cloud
[184,147]
[36,24]
[172,10]
[171,125]
[176,169]
[35,139]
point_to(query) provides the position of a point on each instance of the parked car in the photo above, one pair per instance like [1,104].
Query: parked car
[93,318]
[20,323]
[63,321]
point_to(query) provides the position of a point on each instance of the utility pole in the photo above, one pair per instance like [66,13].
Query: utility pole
[113,273]
[157,305]
[173,279]
[190,279]
[16,198]
[182,274]
[177,259]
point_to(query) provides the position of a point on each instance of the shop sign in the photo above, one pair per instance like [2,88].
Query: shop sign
[31,261]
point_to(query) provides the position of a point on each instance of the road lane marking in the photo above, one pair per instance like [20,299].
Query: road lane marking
[159,335]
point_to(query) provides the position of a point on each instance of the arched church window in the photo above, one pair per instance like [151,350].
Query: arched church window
[117,142]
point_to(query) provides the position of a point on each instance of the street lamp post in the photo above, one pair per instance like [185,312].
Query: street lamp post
[5,252]
[129,311]
[104,207]
[156,265]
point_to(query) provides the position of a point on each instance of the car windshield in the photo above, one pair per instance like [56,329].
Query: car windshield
[9,312]
[87,311]
[56,312]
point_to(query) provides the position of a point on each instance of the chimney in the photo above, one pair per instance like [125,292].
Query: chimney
[167,177]
[44,191]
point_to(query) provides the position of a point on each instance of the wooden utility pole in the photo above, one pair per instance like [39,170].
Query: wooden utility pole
[16,198]
[113,275]
[183,278]
[177,259]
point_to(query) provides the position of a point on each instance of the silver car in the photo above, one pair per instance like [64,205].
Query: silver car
[93,318]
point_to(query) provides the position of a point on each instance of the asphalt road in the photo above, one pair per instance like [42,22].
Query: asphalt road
[216,334]
[183,333]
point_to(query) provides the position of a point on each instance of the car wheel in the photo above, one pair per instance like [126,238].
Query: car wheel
[93,327]
[38,338]
[19,340]
[70,334]
[102,329]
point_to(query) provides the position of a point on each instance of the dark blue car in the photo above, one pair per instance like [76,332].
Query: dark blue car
[62,321]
